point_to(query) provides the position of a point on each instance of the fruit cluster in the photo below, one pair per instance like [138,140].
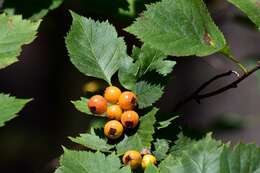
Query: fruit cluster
[118,107]
[136,159]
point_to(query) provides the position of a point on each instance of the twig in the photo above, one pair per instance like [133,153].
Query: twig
[198,97]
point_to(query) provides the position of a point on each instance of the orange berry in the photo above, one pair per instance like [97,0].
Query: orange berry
[113,129]
[132,158]
[130,119]
[127,100]
[97,104]
[112,94]
[148,159]
[114,112]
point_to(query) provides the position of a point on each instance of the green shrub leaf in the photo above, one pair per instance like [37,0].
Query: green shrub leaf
[9,107]
[81,105]
[151,59]
[15,32]
[142,138]
[94,47]
[243,158]
[127,73]
[55,4]
[147,94]
[179,28]
[166,123]
[161,148]
[89,162]
[151,169]
[200,157]
[93,142]
[251,8]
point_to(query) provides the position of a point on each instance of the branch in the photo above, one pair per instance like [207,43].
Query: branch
[198,97]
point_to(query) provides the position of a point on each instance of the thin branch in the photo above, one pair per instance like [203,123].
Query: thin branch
[198,97]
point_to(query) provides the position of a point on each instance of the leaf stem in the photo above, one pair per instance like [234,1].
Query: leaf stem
[232,58]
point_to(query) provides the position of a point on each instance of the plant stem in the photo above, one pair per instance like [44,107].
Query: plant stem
[232,58]
[198,97]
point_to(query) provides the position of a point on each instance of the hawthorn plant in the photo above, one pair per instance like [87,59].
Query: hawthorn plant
[124,141]
[167,28]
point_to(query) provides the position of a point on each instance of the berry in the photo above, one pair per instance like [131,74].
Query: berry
[97,104]
[127,100]
[114,112]
[130,119]
[112,94]
[132,158]
[113,129]
[148,159]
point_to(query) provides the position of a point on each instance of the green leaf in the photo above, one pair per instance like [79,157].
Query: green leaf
[93,142]
[127,73]
[147,94]
[94,47]
[142,138]
[179,28]
[15,32]
[201,157]
[88,162]
[151,169]
[166,123]
[55,4]
[152,59]
[251,8]
[182,143]
[81,105]
[243,158]
[161,148]
[9,107]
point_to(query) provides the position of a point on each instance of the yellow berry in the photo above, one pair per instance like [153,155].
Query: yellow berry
[132,158]
[112,94]
[114,112]
[148,159]
[113,129]
[97,104]
[127,100]
[130,119]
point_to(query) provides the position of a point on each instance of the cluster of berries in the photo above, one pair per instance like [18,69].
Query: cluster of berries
[136,159]
[118,107]
[119,110]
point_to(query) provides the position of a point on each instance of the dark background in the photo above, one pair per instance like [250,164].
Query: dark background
[32,142]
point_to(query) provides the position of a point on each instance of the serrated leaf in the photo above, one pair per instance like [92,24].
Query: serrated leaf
[81,105]
[243,158]
[251,8]
[166,123]
[201,157]
[9,107]
[152,59]
[94,47]
[161,148]
[93,142]
[55,4]
[88,162]
[15,32]
[142,138]
[179,28]
[127,73]
[147,94]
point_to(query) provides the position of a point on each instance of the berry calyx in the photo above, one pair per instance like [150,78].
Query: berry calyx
[113,129]
[114,112]
[127,100]
[97,104]
[112,94]
[148,159]
[130,119]
[132,158]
